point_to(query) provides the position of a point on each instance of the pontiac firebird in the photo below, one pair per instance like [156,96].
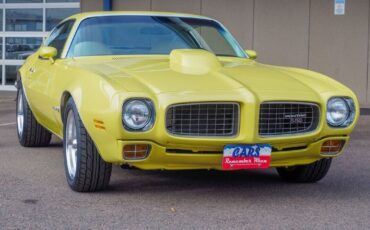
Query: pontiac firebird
[173,91]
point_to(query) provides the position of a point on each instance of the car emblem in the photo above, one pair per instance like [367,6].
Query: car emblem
[295,118]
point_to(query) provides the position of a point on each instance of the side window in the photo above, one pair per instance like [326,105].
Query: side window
[58,37]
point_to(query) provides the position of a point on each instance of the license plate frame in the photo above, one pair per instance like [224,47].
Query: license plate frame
[246,156]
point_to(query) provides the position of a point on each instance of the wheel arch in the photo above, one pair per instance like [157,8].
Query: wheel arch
[63,101]
[20,85]
[95,98]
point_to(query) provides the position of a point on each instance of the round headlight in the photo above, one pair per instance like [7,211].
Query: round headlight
[338,111]
[137,114]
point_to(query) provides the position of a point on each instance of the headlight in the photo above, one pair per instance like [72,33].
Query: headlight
[340,112]
[138,114]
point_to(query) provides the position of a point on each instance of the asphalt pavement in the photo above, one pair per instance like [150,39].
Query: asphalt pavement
[34,193]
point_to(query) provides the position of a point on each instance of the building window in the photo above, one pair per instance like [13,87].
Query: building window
[11,74]
[50,1]
[20,48]
[23,25]
[1,19]
[23,1]
[1,48]
[23,20]
[1,74]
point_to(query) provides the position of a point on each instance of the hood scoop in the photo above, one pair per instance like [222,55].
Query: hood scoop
[193,61]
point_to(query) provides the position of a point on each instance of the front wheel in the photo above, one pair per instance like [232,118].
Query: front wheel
[85,170]
[306,173]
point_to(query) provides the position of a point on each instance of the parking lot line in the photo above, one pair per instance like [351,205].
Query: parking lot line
[7,124]
[7,99]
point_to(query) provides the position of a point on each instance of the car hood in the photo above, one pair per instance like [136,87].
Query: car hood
[154,74]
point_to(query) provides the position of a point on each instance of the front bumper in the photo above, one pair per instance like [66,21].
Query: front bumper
[161,158]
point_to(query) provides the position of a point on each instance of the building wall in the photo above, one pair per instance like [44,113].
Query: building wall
[91,5]
[281,31]
[339,45]
[302,33]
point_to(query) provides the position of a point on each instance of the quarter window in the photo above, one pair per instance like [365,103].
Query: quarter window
[58,37]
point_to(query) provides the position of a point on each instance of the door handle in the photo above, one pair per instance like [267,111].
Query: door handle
[31,70]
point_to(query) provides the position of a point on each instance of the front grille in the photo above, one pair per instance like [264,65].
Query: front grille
[203,119]
[285,118]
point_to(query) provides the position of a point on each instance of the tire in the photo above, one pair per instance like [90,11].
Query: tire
[306,173]
[85,170]
[30,132]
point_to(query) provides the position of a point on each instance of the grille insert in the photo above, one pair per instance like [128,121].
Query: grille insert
[203,119]
[285,118]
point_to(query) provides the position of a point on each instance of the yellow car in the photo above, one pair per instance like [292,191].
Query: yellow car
[173,91]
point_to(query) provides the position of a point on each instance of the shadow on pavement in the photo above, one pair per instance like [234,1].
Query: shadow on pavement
[264,183]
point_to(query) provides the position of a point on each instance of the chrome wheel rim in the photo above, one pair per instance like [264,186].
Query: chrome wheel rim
[71,145]
[20,114]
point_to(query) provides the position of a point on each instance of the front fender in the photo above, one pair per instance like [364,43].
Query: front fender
[99,105]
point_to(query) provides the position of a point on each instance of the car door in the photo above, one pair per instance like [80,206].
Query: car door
[41,77]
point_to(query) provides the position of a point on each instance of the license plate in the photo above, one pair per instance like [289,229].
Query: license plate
[246,156]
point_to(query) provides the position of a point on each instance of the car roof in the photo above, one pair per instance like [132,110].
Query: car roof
[82,16]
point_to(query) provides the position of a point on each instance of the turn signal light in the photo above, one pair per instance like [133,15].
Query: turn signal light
[332,147]
[99,124]
[135,151]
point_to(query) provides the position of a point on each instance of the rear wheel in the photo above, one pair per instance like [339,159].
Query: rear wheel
[85,170]
[306,173]
[30,132]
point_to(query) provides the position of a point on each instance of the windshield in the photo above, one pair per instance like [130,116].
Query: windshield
[137,35]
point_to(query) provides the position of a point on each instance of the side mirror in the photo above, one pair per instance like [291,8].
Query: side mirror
[48,52]
[251,54]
